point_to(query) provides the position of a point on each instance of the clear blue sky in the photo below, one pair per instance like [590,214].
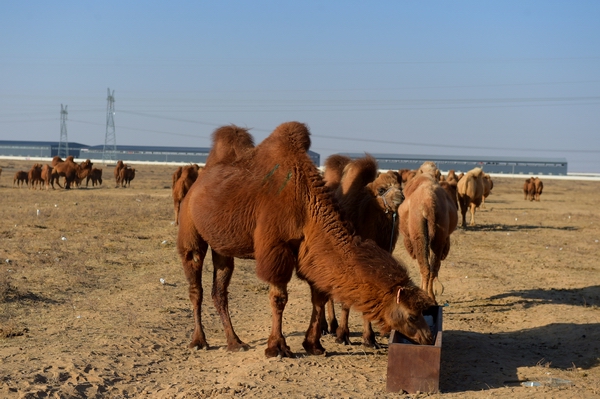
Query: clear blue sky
[508,78]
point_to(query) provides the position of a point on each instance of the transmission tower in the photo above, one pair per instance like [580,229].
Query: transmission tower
[110,141]
[63,145]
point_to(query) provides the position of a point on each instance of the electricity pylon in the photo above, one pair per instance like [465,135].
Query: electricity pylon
[109,152]
[63,145]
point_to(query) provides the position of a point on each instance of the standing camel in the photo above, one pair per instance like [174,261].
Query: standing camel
[270,203]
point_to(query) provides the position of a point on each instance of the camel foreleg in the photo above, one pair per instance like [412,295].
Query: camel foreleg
[276,345]
[342,333]
[312,339]
[223,269]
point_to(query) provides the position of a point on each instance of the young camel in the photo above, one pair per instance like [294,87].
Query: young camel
[270,203]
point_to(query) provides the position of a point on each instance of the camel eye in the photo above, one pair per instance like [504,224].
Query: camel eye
[412,319]
[381,191]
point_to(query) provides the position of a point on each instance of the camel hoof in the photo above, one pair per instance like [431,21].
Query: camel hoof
[198,346]
[238,347]
[279,352]
[371,344]
[313,349]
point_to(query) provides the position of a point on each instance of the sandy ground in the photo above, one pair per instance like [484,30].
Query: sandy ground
[88,317]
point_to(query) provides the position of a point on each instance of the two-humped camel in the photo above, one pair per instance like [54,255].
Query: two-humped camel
[428,216]
[470,194]
[370,203]
[270,203]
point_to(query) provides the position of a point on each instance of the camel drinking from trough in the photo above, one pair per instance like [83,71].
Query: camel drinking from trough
[268,202]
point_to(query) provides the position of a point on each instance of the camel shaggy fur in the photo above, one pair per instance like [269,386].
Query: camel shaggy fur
[470,194]
[269,202]
[428,216]
[370,203]
[488,185]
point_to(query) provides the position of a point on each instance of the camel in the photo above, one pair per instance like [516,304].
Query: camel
[95,176]
[428,216]
[269,202]
[370,203]
[187,177]
[529,189]
[470,194]
[431,168]
[126,175]
[72,171]
[35,176]
[539,187]
[488,184]
[48,177]
[176,176]
[21,178]
[452,177]
[406,175]
[117,173]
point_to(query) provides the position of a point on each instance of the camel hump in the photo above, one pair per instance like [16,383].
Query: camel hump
[294,135]
[229,143]
[476,172]
[334,168]
[359,173]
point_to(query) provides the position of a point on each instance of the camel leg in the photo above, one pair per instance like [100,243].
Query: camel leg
[369,335]
[472,206]
[223,269]
[343,331]
[312,339]
[276,345]
[435,263]
[192,266]
[329,324]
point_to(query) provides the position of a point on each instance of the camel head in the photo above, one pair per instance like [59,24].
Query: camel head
[406,314]
[387,190]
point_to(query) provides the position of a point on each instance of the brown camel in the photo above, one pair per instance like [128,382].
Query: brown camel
[488,185]
[95,176]
[35,176]
[21,178]
[70,170]
[539,187]
[117,172]
[428,216]
[406,175]
[176,176]
[529,189]
[270,203]
[48,176]
[187,176]
[126,175]
[370,203]
[470,194]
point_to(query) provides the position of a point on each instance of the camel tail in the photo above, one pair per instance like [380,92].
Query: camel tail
[425,241]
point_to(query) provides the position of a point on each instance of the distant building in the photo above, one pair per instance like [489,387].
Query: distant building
[507,165]
[131,153]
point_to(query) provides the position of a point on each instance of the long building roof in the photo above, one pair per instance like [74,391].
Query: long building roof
[458,158]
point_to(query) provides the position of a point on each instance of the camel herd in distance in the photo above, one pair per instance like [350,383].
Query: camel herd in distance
[337,229]
[73,174]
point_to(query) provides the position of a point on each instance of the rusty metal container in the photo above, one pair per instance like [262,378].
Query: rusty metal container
[415,368]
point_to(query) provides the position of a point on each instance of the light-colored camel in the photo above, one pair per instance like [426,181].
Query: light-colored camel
[270,203]
[428,216]
[470,194]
